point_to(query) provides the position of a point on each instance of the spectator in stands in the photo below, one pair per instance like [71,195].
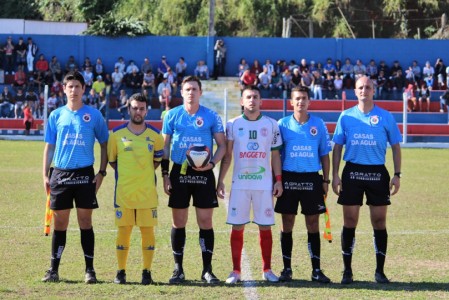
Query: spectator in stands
[319,68]
[88,77]
[131,68]
[7,103]
[134,81]
[147,98]
[410,75]
[293,65]
[117,80]
[280,66]
[149,82]
[123,103]
[312,67]
[371,69]
[428,70]
[99,68]
[162,68]
[248,78]
[33,101]
[86,64]
[307,79]
[19,101]
[265,80]
[329,68]
[359,69]
[410,97]
[108,82]
[243,66]
[164,112]
[276,82]
[296,78]
[120,64]
[71,64]
[338,84]
[416,71]
[52,103]
[395,68]
[164,91]
[317,85]
[27,117]
[92,99]
[56,87]
[31,53]
[424,96]
[220,59]
[383,67]
[55,68]
[62,98]
[381,85]
[269,66]
[20,78]
[181,69]
[303,65]
[348,73]
[444,102]
[201,70]
[21,53]
[440,73]
[102,101]
[329,87]
[338,67]
[397,84]
[99,84]
[256,68]
[429,81]
[146,66]
[9,56]
[286,80]
[171,79]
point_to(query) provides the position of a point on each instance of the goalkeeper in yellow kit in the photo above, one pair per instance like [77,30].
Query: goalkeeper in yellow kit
[135,150]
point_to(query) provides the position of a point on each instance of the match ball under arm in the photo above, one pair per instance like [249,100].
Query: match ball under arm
[198,156]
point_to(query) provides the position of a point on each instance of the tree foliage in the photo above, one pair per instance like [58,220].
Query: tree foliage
[263,18]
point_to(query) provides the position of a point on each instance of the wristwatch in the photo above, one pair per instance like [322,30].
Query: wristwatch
[103,173]
[398,174]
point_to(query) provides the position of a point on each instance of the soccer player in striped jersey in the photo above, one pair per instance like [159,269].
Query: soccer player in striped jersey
[254,142]
[305,152]
[69,143]
[135,150]
[364,131]
[184,126]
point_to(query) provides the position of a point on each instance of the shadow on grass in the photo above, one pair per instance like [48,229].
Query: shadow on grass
[370,285]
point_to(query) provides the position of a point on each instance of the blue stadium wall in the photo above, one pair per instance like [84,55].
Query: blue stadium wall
[201,48]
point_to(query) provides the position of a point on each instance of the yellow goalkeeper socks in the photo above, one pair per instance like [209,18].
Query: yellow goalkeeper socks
[148,245]
[122,243]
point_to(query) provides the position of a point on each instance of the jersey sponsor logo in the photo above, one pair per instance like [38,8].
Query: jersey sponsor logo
[269,212]
[199,122]
[73,180]
[195,179]
[234,211]
[365,176]
[86,118]
[364,139]
[241,132]
[118,214]
[374,120]
[128,149]
[253,154]
[313,130]
[252,146]
[251,173]
[298,186]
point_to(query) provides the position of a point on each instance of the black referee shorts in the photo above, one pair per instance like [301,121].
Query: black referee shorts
[69,185]
[198,185]
[370,180]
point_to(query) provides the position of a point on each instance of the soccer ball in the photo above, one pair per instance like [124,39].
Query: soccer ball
[198,156]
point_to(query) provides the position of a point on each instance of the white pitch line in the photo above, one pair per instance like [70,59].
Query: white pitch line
[249,285]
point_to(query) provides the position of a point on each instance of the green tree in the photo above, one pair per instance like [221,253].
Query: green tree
[19,9]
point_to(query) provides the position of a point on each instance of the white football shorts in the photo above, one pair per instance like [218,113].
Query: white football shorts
[239,209]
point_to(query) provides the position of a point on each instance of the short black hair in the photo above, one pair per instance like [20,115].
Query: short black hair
[301,88]
[136,97]
[74,75]
[191,78]
[250,88]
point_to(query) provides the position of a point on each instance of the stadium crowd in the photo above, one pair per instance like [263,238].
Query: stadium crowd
[161,80]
